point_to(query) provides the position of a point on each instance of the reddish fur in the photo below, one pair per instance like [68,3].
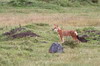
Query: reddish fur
[63,33]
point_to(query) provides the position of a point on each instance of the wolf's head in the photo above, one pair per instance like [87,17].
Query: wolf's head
[56,28]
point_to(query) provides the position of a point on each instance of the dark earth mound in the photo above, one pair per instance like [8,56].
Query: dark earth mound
[20,33]
[88,34]
[82,38]
[25,34]
[13,31]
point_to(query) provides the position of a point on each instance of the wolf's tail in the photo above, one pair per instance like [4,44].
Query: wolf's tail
[82,39]
[77,36]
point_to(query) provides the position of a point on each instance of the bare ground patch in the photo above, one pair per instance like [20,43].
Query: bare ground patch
[10,19]
[20,33]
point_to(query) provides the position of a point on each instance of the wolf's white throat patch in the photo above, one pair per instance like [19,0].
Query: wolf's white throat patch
[55,30]
[76,33]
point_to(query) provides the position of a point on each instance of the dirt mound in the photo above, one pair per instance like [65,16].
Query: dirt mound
[93,34]
[88,34]
[25,34]
[20,33]
[13,31]
[83,38]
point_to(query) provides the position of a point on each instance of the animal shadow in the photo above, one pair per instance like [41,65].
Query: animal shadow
[71,44]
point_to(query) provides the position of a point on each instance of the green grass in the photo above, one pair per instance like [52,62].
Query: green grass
[42,7]
[91,9]
[33,52]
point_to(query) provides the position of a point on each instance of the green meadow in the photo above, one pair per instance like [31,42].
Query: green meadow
[39,17]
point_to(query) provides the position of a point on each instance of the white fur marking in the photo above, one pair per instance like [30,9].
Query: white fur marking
[76,33]
[55,30]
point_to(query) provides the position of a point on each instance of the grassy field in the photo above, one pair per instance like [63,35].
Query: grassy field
[74,16]
[32,51]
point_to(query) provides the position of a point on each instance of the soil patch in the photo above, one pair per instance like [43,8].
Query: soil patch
[88,34]
[20,33]
[25,34]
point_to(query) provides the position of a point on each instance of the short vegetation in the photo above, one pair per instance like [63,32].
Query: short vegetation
[90,33]
[28,43]
[32,51]
[61,3]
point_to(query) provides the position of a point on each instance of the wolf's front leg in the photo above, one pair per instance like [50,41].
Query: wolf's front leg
[62,39]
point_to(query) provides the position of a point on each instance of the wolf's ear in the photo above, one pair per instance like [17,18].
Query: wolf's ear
[56,25]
